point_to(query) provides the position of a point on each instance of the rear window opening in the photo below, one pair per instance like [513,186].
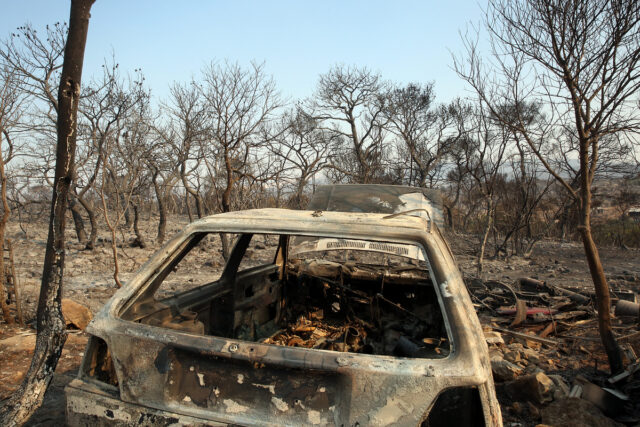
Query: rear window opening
[343,295]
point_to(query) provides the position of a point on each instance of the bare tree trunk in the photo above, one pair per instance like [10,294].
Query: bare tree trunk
[162,211]
[226,207]
[127,215]
[186,203]
[136,218]
[17,293]
[199,205]
[3,224]
[449,212]
[485,237]
[50,323]
[112,228]
[77,220]
[452,205]
[564,220]
[196,197]
[3,296]
[603,300]
[93,235]
[226,245]
[162,221]
[299,194]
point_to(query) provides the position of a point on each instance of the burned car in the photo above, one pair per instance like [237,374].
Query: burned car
[316,318]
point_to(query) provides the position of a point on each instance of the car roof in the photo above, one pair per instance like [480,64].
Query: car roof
[378,198]
[276,220]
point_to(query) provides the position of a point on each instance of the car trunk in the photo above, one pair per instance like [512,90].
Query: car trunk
[291,342]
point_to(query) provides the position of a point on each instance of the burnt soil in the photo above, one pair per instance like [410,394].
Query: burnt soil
[89,281]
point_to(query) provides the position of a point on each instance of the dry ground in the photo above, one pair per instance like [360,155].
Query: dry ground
[88,281]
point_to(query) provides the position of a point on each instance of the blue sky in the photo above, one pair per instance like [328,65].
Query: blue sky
[405,41]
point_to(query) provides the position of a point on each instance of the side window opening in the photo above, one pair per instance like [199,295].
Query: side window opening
[202,264]
[261,251]
[171,299]
[344,295]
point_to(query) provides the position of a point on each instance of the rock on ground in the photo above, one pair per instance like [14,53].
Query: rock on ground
[574,412]
[537,388]
[75,314]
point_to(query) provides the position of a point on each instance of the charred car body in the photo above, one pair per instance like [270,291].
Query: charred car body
[317,318]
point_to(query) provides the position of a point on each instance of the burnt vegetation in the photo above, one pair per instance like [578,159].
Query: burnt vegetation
[545,148]
[228,142]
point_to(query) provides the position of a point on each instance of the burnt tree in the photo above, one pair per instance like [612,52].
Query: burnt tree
[579,60]
[239,102]
[11,99]
[350,102]
[50,323]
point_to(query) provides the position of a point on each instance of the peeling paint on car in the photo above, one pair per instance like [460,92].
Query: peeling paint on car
[280,404]
[234,407]
[444,288]
[314,417]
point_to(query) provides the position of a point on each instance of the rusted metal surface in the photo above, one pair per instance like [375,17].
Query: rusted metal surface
[233,374]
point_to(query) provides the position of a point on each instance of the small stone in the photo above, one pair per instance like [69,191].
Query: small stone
[536,388]
[561,388]
[512,356]
[532,369]
[572,411]
[504,371]
[493,337]
[530,355]
[75,314]
[516,346]
[535,345]
[495,352]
